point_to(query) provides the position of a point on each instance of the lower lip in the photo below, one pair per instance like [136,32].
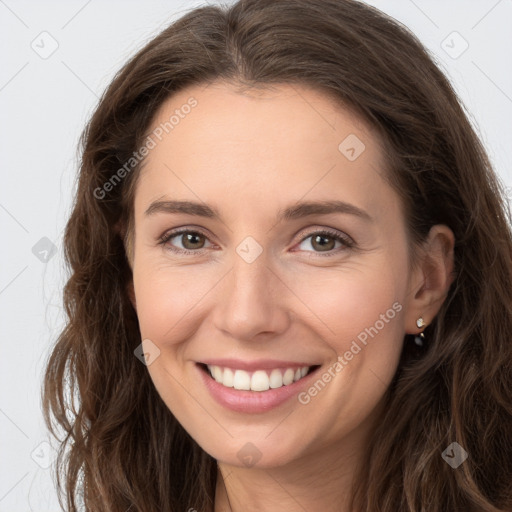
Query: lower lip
[252,401]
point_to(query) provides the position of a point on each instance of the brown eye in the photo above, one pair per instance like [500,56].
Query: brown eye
[184,241]
[327,242]
[323,242]
[192,240]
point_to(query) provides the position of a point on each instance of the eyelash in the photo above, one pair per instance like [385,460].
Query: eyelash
[345,240]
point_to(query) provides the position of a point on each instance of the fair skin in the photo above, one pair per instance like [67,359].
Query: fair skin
[250,155]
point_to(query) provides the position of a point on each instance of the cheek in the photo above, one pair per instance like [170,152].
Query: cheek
[359,315]
[167,297]
[346,304]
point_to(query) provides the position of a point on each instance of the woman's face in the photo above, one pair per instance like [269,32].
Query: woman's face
[297,257]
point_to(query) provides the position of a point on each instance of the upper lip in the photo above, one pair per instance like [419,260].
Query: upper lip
[261,364]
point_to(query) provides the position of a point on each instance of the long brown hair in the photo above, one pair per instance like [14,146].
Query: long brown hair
[122,448]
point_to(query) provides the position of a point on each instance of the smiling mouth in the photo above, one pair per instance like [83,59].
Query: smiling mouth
[259,380]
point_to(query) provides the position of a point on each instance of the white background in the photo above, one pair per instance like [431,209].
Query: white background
[44,104]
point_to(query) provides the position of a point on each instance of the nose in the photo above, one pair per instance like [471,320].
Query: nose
[252,301]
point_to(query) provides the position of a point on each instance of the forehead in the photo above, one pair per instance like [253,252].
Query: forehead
[276,116]
[277,143]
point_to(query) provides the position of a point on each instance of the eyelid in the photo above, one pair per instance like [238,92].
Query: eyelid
[168,235]
[315,230]
[346,240]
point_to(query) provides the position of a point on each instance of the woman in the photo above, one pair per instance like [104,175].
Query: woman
[290,277]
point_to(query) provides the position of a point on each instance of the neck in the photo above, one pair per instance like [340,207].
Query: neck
[318,481]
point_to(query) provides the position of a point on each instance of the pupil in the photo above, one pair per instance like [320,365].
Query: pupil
[324,246]
[189,240]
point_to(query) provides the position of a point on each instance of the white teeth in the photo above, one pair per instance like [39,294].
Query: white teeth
[241,380]
[259,380]
[276,378]
[288,376]
[217,373]
[229,377]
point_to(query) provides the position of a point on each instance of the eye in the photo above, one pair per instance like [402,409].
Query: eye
[325,242]
[191,241]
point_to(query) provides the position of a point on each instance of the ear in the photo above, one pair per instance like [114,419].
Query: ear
[431,279]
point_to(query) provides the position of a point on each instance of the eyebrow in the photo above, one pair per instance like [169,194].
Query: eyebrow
[293,212]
